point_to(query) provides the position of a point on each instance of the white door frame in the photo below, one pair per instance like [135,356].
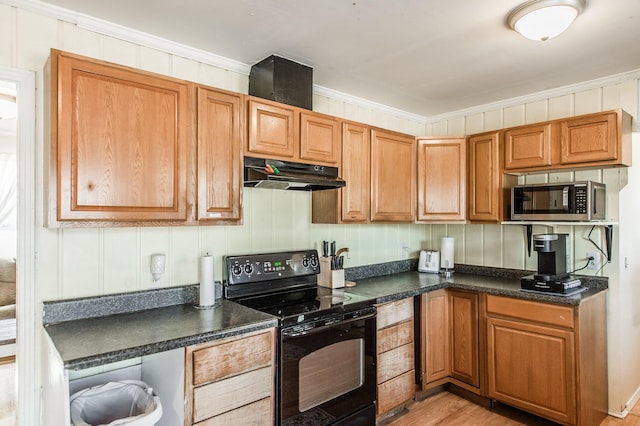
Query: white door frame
[27,397]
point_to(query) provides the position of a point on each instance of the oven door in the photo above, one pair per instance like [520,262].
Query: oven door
[328,372]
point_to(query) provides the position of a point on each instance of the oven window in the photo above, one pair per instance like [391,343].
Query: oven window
[329,372]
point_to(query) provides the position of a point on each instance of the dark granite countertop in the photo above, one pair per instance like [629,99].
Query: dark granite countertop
[94,331]
[398,286]
[90,342]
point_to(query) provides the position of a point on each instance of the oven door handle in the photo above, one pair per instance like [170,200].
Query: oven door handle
[292,333]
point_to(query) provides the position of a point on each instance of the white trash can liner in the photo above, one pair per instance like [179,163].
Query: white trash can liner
[126,402]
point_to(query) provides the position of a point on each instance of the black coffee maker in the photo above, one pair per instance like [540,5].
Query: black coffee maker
[552,256]
[552,275]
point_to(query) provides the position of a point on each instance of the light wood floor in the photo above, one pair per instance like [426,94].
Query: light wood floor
[7,391]
[448,409]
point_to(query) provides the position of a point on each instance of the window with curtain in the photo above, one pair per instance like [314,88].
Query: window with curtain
[8,200]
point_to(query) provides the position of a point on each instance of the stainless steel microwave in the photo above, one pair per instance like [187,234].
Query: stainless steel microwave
[577,201]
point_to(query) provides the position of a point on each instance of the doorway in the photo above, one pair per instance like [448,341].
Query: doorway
[8,248]
[24,364]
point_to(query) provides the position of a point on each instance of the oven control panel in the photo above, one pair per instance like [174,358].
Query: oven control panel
[255,268]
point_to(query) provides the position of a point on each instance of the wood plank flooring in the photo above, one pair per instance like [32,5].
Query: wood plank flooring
[448,409]
[7,391]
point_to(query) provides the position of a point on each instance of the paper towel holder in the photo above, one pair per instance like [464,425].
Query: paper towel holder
[446,256]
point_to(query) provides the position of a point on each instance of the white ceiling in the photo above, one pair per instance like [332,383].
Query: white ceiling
[427,57]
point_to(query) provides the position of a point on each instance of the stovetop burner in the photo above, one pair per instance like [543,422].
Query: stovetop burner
[285,285]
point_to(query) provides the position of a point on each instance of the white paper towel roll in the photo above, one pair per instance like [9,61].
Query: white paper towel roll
[446,252]
[207,290]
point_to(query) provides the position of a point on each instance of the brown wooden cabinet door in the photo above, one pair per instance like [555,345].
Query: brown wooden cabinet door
[464,337]
[219,156]
[356,147]
[436,336]
[484,178]
[120,143]
[319,139]
[527,146]
[272,130]
[442,165]
[590,138]
[532,367]
[393,177]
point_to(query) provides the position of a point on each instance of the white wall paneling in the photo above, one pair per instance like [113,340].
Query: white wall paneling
[83,262]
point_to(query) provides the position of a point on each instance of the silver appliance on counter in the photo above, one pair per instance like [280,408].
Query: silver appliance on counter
[574,201]
[326,350]
[429,261]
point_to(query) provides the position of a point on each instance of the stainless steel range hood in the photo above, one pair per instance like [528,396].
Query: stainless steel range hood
[276,174]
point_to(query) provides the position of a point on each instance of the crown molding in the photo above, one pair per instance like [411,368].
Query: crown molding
[127,34]
[354,100]
[168,46]
[538,96]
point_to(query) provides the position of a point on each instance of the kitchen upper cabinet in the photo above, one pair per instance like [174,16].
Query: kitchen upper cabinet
[273,130]
[319,139]
[356,196]
[393,177]
[284,132]
[550,360]
[527,146]
[488,187]
[601,138]
[395,352]
[442,165]
[379,168]
[484,177]
[120,144]
[350,204]
[219,156]
[231,381]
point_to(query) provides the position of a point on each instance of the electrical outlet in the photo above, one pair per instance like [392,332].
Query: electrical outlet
[594,263]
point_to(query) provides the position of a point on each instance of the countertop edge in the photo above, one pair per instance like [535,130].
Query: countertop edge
[150,349]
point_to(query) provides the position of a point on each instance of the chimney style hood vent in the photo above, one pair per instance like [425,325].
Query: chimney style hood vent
[276,174]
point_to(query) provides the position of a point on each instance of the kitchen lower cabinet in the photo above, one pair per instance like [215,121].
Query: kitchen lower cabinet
[395,353]
[550,360]
[450,338]
[435,338]
[464,337]
[231,381]
[120,144]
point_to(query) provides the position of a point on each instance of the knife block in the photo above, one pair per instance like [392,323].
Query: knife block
[329,278]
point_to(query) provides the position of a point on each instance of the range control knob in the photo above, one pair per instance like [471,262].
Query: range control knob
[314,262]
[248,269]
[236,270]
[305,262]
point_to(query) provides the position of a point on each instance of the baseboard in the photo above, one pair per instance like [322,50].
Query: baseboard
[628,407]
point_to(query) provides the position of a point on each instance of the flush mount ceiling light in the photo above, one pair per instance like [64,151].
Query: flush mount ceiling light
[542,20]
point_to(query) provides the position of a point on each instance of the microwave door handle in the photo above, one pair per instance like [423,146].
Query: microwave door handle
[595,202]
[565,198]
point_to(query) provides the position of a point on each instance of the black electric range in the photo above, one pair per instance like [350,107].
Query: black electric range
[284,284]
